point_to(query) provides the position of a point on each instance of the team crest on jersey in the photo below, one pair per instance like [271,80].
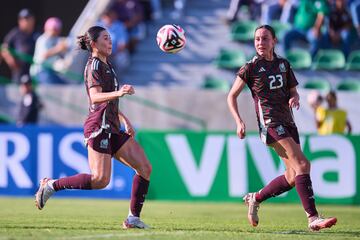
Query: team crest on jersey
[104,143]
[282,67]
[280,130]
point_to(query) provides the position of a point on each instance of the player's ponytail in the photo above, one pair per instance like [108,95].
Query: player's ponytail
[92,34]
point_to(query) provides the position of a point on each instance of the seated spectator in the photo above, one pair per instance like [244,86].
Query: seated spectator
[49,49]
[30,104]
[119,38]
[235,5]
[271,10]
[19,44]
[330,120]
[130,13]
[339,29]
[355,14]
[288,11]
[308,22]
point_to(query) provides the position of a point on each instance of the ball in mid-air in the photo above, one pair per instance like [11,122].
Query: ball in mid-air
[171,38]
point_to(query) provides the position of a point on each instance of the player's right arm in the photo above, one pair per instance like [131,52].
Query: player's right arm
[235,90]
[97,96]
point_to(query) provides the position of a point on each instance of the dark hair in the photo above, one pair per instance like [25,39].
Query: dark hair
[267,27]
[92,34]
[331,94]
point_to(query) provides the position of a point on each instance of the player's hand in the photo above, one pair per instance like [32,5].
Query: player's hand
[126,89]
[240,130]
[294,102]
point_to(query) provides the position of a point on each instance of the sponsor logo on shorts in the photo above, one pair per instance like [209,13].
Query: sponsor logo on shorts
[280,130]
[104,143]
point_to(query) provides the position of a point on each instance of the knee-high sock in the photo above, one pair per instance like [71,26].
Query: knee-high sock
[138,192]
[79,181]
[304,188]
[276,187]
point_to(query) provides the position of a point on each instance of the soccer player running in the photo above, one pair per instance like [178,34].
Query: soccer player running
[103,138]
[273,87]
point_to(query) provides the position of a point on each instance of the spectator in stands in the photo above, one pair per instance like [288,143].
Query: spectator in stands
[235,5]
[19,44]
[308,22]
[48,50]
[330,120]
[355,14]
[119,37]
[30,104]
[340,27]
[288,11]
[271,10]
[130,12]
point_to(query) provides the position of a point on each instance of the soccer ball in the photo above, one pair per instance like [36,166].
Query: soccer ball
[171,38]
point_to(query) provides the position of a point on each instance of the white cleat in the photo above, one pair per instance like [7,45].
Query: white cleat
[253,206]
[318,223]
[43,193]
[134,222]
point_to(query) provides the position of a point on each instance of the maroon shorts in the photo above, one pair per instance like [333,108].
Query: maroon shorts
[273,134]
[108,143]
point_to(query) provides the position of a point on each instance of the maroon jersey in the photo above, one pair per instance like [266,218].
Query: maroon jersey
[270,83]
[102,116]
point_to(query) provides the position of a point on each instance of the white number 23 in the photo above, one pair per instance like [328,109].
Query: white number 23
[276,81]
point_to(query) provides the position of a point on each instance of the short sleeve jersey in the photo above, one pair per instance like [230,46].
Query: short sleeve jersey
[102,115]
[270,83]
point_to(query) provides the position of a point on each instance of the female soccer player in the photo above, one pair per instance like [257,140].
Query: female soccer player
[273,87]
[103,138]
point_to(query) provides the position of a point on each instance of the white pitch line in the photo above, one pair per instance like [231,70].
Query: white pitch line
[128,234]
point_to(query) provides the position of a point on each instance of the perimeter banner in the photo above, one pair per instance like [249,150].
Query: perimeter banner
[187,165]
[217,166]
[30,153]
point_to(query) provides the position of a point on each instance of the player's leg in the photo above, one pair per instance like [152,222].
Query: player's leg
[132,154]
[100,166]
[276,187]
[288,149]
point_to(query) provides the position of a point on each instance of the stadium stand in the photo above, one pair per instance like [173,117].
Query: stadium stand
[318,84]
[353,62]
[243,31]
[329,60]
[230,59]
[299,58]
[350,85]
[212,82]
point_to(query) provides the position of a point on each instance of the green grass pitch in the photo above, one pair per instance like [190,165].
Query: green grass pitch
[101,219]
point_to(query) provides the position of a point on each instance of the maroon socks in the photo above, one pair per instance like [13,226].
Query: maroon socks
[276,187]
[304,188]
[139,190]
[79,181]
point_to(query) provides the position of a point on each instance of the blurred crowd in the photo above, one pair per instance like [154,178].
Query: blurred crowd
[322,24]
[37,57]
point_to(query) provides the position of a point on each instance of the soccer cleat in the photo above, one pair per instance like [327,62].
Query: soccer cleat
[43,194]
[318,223]
[253,205]
[134,222]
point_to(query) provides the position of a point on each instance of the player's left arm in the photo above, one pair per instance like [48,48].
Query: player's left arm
[129,129]
[294,101]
